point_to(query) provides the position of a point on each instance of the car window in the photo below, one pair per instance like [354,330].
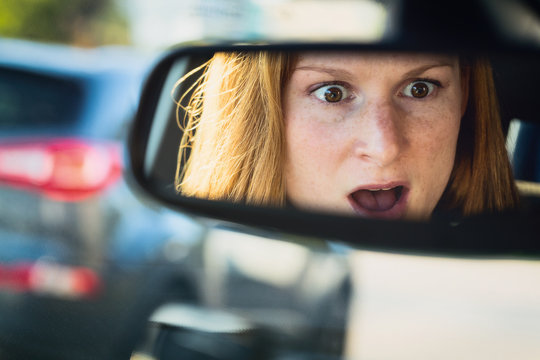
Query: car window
[33,101]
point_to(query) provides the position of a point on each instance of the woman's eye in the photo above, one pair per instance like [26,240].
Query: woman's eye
[331,93]
[419,89]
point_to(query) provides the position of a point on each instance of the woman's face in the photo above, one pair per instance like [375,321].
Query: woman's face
[372,134]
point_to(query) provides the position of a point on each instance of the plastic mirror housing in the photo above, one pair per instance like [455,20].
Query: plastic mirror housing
[500,235]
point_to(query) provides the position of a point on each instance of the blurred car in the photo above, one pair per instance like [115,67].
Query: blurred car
[63,116]
[65,206]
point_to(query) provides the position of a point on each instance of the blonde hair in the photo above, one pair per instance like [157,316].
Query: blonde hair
[235,137]
[233,144]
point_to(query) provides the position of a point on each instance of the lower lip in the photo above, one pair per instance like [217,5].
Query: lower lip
[395,212]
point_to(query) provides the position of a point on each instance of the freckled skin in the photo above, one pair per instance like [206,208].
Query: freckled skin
[377,134]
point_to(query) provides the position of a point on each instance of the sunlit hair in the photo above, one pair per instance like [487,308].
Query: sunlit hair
[236,136]
[233,145]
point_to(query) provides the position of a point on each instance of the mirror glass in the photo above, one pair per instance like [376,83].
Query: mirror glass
[382,135]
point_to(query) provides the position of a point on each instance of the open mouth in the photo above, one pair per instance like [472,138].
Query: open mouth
[383,202]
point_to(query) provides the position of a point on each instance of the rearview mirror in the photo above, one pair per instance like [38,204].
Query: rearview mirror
[335,140]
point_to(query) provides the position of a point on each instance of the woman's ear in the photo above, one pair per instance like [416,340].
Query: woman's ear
[465,77]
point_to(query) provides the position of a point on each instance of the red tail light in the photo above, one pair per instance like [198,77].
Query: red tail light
[49,279]
[64,168]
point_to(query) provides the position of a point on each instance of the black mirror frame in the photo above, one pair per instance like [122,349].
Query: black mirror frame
[499,235]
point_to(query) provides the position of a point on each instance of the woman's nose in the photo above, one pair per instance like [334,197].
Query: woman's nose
[380,139]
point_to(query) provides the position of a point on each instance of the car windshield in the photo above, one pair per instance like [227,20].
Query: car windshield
[32,101]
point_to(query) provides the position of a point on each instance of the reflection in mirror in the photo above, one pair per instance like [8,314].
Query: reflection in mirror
[379,135]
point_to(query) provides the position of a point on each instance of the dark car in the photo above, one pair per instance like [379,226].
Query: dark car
[234,281]
[63,115]
[66,209]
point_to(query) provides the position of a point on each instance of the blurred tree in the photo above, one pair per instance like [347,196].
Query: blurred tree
[78,22]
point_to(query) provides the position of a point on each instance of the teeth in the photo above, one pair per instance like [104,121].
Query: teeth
[385,189]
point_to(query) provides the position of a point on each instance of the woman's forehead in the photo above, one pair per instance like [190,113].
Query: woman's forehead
[347,58]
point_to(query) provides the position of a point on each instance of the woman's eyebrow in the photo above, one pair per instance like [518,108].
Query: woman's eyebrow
[422,69]
[330,71]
